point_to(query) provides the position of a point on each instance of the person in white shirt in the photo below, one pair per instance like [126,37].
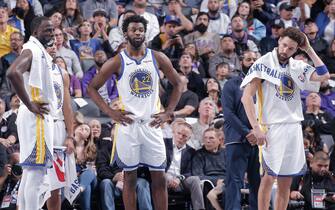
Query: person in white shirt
[218,21]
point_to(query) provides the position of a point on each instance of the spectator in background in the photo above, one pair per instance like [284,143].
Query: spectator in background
[319,177]
[101,30]
[16,43]
[10,179]
[207,43]
[139,6]
[85,47]
[169,42]
[286,15]
[206,112]
[243,41]
[198,63]
[315,142]
[327,96]
[269,42]
[116,38]
[263,11]
[227,55]
[319,45]
[195,82]
[188,101]
[89,6]
[325,21]
[241,151]
[14,104]
[218,21]
[314,113]
[247,59]
[70,57]
[5,30]
[175,9]
[178,170]
[209,162]
[85,152]
[75,86]
[56,18]
[253,26]
[228,7]
[108,91]
[213,89]
[72,17]
[8,130]
[222,73]
[28,16]
[329,59]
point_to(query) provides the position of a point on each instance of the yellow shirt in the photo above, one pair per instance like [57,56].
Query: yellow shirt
[5,40]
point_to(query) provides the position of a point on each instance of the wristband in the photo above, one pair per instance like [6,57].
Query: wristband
[321,70]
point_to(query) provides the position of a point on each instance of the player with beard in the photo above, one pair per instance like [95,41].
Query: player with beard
[32,80]
[138,138]
[277,79]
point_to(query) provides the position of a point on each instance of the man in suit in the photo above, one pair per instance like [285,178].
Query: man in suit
[178,170]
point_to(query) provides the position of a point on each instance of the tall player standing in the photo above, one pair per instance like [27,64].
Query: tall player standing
[139,140]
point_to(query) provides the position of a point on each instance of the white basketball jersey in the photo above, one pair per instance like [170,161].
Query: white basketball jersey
[138,85]
[281,104]
[58,82]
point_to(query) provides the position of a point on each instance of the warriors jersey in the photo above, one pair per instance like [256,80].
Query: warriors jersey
[281,103]
[59,90]
[138,85]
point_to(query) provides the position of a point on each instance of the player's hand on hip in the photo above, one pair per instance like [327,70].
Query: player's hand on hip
[39,108]
[161,118]
[121,117]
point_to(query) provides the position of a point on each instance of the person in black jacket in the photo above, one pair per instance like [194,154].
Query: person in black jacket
[178,170]
[111,180]
[242,154]
[317,179]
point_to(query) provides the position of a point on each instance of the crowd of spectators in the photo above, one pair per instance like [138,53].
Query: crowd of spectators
[208,43]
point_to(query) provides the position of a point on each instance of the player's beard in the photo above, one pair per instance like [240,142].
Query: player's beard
[282,58]
[136,43]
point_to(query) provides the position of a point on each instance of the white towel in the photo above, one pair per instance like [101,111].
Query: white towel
[72,186]
[267,67]
[41,77]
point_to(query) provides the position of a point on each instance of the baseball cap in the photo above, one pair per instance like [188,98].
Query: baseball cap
[171,19]
[286,6]
[277,23]
[100,12]
[3,4]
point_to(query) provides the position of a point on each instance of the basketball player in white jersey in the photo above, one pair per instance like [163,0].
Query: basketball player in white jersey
[63,128]
[277,78]
[139,139]
[31,77]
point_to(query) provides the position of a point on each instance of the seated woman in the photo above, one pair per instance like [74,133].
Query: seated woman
[85,153]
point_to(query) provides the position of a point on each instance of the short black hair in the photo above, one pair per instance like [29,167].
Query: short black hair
[222,64]
[134,19]
[201,14]
[37,21]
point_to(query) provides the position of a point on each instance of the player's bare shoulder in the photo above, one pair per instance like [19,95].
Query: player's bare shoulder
[112,65]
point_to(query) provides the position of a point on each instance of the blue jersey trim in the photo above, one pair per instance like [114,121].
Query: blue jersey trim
[272,173]
[122,68]
[155,62]
[138,62]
